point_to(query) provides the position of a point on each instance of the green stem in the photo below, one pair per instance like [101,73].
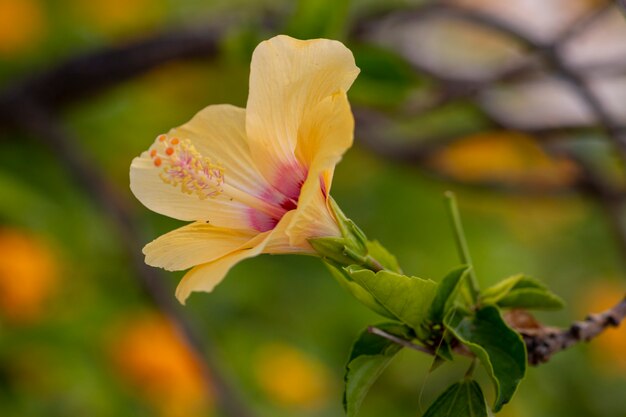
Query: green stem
[461,242]
[367,261]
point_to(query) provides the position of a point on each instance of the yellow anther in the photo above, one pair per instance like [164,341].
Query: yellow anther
[186,167]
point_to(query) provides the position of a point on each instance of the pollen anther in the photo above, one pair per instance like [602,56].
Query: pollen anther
[183,165]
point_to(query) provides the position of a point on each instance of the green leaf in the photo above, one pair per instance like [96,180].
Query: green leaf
[445,290]
[463,399]
[496,292]
[500,349]
[370,356]
[382,255]
[521,291]
[407,298]
[532,299]
[360,293]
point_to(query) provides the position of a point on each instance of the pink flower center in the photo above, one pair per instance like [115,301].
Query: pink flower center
[284,193]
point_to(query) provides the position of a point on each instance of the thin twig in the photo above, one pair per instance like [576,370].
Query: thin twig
[398,340]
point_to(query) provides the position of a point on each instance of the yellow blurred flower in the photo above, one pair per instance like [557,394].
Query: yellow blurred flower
[29,273]
[119,16]
[22,25]
[254,180]
[608,349]
[291,378]
[149,355]
[504,157]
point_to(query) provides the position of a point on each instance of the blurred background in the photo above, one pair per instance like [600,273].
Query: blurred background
[518,106]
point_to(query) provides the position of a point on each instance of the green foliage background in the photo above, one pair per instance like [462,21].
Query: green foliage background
[563,240]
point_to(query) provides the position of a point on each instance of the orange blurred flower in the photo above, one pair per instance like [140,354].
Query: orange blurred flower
[608,349]
[504,157]
[150,356]
[22,24]
[291,378]
[119,16]
[28,275]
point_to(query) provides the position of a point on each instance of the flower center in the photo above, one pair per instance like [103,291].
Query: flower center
[183,165]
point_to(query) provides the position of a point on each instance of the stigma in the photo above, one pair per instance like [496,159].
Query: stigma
[182,165]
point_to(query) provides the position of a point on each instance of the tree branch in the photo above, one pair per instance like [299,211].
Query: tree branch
[541,342]
[88,74]
[544,342]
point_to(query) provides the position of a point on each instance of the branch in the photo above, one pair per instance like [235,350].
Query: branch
[93,72]
[544,342]
[541,342]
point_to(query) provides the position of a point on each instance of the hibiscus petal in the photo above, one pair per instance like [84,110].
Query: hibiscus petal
[217,133]
[326,133]
[193,244]
[206,276]
[288,78]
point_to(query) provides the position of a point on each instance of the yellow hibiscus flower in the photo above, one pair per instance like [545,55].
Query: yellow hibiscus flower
[253,180]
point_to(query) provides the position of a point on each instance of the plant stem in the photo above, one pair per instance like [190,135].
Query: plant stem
[461,242]
[398,340]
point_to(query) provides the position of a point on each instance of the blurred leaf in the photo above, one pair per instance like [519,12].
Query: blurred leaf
[504,157]
[520,291]
[319,19]
[463,399]
[370,356]
[445,290]
[450,120]
[408,298]
[500,349]
[386,78]
[26,204]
